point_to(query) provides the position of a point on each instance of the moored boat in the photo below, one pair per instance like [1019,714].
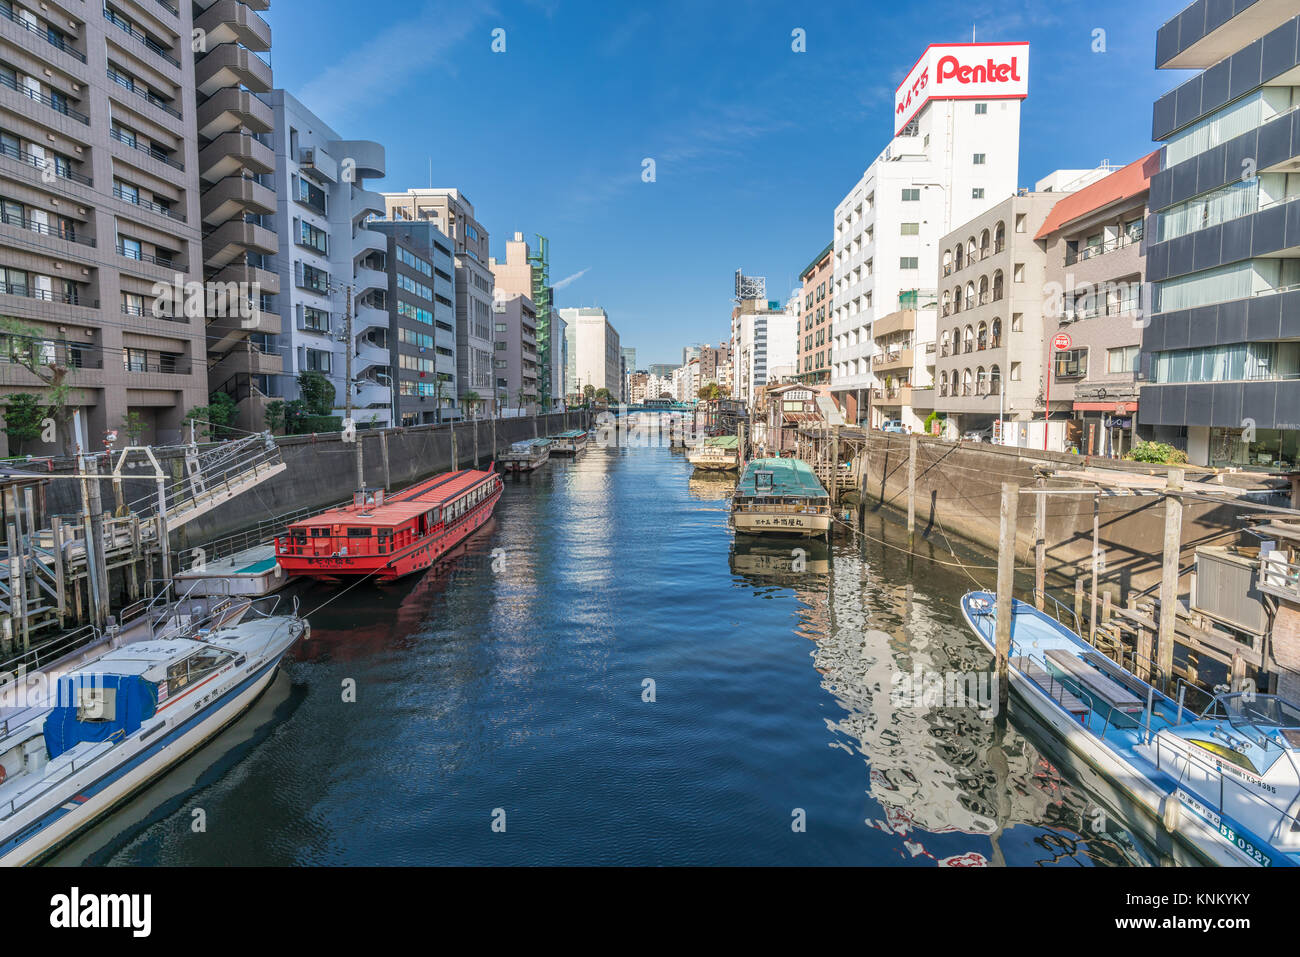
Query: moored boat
[780,497]
[720,453]
[569,443]
[526,456]
[390,536]
[1225,783]
[81,745]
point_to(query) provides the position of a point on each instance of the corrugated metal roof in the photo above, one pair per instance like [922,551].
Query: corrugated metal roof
[404,505]
[790,477]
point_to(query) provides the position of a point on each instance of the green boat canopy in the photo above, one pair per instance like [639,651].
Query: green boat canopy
[721,442]
[791,478]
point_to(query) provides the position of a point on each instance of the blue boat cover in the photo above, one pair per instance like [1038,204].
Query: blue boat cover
[136,701]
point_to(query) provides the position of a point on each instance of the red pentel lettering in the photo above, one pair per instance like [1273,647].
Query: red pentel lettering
[950,68]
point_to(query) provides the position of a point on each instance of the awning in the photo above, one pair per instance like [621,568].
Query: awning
[1111,407]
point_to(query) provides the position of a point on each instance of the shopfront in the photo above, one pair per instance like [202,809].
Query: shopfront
[1257,449]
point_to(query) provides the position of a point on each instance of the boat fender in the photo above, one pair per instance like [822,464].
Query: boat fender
[1169,812]
[3,774]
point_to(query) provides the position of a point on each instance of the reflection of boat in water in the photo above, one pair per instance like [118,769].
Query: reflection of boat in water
[102,732]
[1226,784]
[769,560]
[710,486]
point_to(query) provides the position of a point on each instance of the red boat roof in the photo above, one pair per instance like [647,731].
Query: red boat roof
[406,504]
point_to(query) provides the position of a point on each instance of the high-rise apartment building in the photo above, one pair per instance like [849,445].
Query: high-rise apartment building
[813,344]
[236,165]
[101,203]
[515,363]
[955,152]
[452,212]
[1223,239]
[330,262]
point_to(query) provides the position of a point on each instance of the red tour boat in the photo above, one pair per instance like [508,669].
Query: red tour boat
[390,536]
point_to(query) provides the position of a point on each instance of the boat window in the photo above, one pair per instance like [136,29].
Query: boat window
[320,532]
[96,704]
[203,663]
[358,533]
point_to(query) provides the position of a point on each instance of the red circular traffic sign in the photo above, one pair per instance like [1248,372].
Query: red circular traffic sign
[1061,342]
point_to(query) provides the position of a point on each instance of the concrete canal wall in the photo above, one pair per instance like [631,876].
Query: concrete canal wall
[958,490]
[322,469]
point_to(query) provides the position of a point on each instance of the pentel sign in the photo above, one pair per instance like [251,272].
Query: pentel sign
[963,71]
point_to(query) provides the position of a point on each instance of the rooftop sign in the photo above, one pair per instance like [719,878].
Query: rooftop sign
[963,71]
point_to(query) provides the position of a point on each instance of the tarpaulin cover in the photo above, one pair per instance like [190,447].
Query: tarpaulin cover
[136,701]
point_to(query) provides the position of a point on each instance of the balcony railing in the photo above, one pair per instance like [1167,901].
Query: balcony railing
[156,365]
[128,28]
[76,355]
[53,40]
[144,257]
[1073,256]
[43,163]
[128,84]
[135,200]
[1277,576]
[44,229]
[148,150]
[46,295]
[58,105]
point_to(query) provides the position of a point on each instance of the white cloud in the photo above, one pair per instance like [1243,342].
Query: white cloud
[568,280]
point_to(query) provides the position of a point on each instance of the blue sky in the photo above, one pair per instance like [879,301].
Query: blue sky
[753,143]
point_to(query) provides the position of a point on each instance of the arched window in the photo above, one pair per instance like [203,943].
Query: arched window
[999,237]
[965,383]
[957,257]
[995,381]
[943,378]
[970,295]
[971,249]
[943,344]
[982,337]
[997,285]
[956,300]
[984,289]
[947,302]
[970,339]
[947,262]
[981,382]
[984,244]
[997,334]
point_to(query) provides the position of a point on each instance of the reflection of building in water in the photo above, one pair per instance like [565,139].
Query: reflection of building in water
[932,767]
[711,486]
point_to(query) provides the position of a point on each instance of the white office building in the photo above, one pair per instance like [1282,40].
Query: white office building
[954,154]
[594,355]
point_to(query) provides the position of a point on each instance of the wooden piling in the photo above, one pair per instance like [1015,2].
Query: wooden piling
[1040,543]
[383,456]
[911,490]
[1096,561]
[1006,583]
[1169,576]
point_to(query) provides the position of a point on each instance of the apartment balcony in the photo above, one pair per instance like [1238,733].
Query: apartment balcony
[230,21]
[893,396]
[230,109]
[369,158]
[365,202]
[50,104]
[254,4]
[230,65]
[234,197]
[370,355]
[923,398]
[370,317]
[1201,36]
[226,332]
[244,359]
[904,320]
[234,239]
[370,279]
[372,395]
[231,153]
[265,282]
[897,359]
[12,23]
[366,241]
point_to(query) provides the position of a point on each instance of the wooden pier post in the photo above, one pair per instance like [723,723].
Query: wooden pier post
[476,443]
[383,455]
[1096,561]
[455,464]
[911,490]
[1040,543]
[1006,584]
[1169,577]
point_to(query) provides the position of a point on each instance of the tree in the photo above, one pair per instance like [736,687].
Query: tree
[23,417]
[134,426]
[471,400]
[316,392]
[26,346]
[215,417]
[602,394]
[276,416]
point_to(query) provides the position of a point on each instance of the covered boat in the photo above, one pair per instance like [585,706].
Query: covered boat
[569,443]
[526,456]
[780,497]
[719,453]
[390,536]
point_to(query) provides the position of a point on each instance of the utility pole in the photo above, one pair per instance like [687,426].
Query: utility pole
[347,388]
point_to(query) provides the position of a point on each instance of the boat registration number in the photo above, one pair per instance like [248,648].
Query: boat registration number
[1225,831]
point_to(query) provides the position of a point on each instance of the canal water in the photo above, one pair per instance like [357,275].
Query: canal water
[600,677]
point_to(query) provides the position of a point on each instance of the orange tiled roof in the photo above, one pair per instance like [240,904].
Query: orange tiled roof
[1122,184]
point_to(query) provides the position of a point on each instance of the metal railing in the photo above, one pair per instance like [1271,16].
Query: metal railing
[43,163]
[127,83]
[52,39]
[59,105]
[67,233]
[128,28]
[141,256]
[135,200]
[1122,241]
[153,151]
